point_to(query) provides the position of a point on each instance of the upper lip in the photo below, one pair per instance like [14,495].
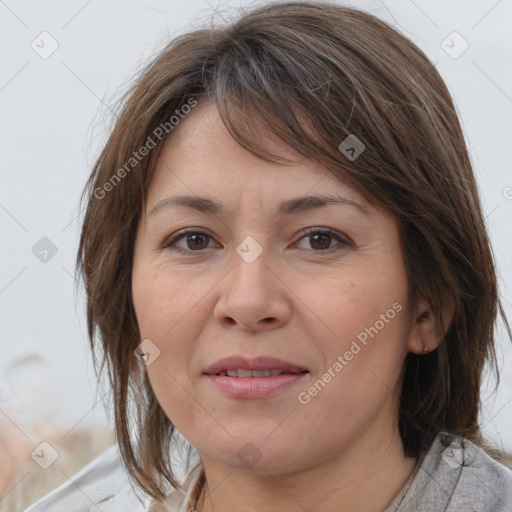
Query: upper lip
[259,363]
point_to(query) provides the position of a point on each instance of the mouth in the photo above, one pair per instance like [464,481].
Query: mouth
[265,376]
[255,384]
[238,366]
[245,373]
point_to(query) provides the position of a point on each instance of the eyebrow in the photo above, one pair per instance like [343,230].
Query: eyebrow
[290,206]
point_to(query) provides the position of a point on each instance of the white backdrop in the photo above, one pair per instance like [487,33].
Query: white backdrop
[61,64]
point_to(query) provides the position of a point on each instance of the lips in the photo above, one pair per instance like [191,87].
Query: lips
[263,366]
[241,373]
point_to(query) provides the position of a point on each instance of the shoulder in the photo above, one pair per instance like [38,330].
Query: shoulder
[103,484]
[484,484]
[458,476]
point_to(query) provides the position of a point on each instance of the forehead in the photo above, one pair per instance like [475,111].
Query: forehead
[201,143]
[200,158]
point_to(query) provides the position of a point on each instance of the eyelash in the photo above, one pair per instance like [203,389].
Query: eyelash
[170,243]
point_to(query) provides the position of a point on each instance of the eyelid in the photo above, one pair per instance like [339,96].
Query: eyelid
[342,239]
[169,242]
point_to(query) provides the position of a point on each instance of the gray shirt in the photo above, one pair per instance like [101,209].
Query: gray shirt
[454,476]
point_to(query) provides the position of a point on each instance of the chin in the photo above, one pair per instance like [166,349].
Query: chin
[258,455]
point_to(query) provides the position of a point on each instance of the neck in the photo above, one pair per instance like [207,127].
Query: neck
[366,477]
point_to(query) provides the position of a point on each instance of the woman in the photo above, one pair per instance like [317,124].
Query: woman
[286,263]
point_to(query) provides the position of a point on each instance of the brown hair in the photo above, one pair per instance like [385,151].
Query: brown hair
[310,74]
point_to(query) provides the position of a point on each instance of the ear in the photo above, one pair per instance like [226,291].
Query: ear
[426,332]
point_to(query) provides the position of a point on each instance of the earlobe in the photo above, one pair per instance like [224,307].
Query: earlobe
[427,333]
[420,339]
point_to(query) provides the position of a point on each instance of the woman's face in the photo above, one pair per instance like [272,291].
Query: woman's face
[251,282]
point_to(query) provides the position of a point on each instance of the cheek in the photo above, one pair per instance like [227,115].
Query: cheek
[362,358]
[168,314]
[171,392]
[364,317]
[164,298]
[350,302]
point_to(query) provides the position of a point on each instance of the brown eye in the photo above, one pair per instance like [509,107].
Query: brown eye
[194,241]
[320,240]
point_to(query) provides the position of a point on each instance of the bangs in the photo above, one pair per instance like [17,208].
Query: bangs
[301,91]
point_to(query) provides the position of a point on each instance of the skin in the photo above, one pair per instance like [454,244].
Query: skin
[342,450]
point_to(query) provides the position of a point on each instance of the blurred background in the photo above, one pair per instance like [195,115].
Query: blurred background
[62,66]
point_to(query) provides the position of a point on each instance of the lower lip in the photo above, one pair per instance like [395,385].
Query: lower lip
[255,387]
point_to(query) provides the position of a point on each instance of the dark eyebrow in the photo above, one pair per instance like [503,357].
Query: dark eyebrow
[295,205]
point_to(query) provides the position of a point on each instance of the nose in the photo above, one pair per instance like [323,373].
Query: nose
[253,296]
